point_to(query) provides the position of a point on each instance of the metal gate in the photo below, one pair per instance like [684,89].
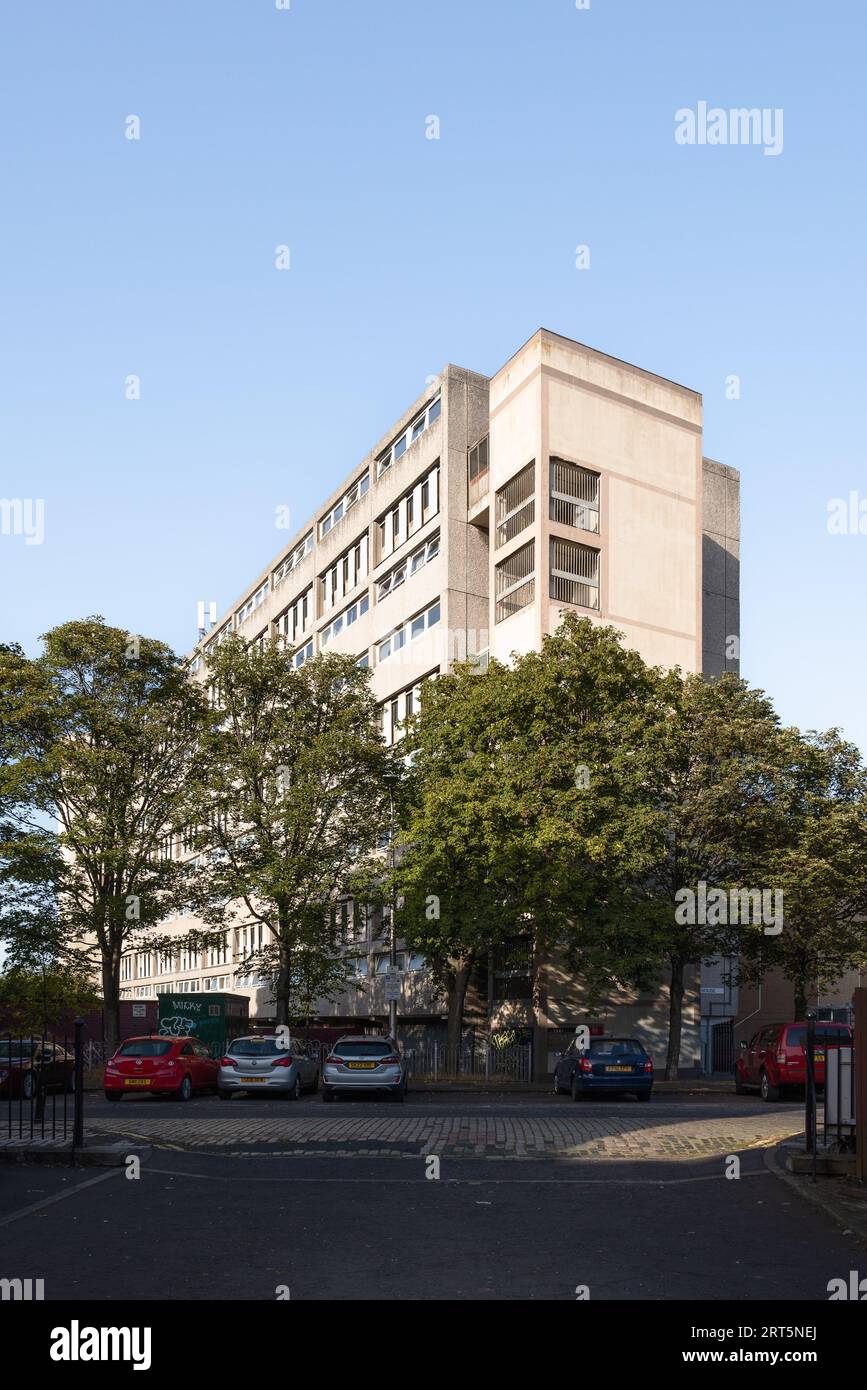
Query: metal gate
[37,1087]
[723,1046]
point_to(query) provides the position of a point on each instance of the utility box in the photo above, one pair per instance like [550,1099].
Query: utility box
[213,1018]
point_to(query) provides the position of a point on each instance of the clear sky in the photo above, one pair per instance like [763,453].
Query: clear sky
[306,127]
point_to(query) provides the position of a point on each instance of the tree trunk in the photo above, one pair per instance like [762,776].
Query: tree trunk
[284,983]
[675,1018]
[111,1001]
[458,979]
[800,998]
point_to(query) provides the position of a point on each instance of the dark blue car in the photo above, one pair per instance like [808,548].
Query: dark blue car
[604,1064]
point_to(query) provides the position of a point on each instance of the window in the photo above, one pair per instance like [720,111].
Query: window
[417,505]
[348,500]
[477,471]
[189,959]
[297,617]
[574,573]
[253,602]
[348,570]
[383,963]
[287,566]
[408,631]
[394,713]
[363,662]
[143,965]
[344,619]
[399,446]
[515,583]
[126,968]
[416,961]
[516,505]
[411,565]
[574,495]
[219,954]
[303,654]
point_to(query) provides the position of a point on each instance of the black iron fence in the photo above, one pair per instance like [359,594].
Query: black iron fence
[42,1087]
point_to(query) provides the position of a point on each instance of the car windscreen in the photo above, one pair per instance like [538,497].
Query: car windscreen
[144,1047]
[797,1037]
[616,1047]
[363,1049]
[258,1047]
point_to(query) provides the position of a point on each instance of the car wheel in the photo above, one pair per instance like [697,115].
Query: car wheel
[557,1091]
[574,1090]
[315,1087]
[294,1092]
[767,1091]
[113,1095]
[224,1095]
[740,1089]
[185,1090]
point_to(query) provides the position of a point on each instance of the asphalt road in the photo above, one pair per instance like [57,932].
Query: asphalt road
[201,1225]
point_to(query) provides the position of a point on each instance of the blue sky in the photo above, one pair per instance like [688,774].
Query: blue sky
[306,127]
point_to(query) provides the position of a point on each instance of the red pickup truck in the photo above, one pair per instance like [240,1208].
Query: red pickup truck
[775,1058]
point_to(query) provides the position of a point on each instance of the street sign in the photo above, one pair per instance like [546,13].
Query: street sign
[392,985]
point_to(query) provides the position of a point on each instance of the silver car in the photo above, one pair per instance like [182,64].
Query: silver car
[358,1063]
[268,1063]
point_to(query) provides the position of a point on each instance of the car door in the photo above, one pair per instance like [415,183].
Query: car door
[191,1063]
[305,1067]
[751,1071]
[208,1068]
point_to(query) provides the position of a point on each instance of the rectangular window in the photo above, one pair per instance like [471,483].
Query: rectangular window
[347,501]
[411,565]
[287,566]
[515,586]
[574,573]
[295,619]
[348,570]
[417,505]
[349,616]
[408,631]
[574,495]
[253,602]
[399,446]
[303,654]
[516,505]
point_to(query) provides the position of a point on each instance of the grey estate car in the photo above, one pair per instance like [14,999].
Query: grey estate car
[358,1063]
[270,1064]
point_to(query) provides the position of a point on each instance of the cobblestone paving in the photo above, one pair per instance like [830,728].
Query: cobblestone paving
[609,1137]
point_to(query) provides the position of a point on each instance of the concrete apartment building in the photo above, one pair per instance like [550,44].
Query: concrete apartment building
[567,482]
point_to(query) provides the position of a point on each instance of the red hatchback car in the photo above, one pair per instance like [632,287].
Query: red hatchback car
[775,1058]
[160,1066]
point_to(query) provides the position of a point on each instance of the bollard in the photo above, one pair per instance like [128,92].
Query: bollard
[78,1098]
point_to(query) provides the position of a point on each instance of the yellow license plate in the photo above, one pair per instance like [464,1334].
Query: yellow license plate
[137,1081]
[254,1080]
[618,1069]
[361,1066]
[819,1056]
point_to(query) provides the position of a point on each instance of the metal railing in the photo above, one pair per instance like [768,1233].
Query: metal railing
[42,1087]
[481,1061]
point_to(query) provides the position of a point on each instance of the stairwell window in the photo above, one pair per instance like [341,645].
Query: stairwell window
[516,505]
[410,566]
[515,581]
[574,499]
[574,573]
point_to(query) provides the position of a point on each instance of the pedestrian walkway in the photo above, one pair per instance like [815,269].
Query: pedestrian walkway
[570,1137]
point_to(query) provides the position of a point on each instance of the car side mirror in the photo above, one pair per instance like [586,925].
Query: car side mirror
[743,1047]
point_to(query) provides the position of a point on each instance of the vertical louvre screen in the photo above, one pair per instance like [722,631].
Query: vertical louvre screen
[516,585]
[516,505]
[574,496]
[574,573]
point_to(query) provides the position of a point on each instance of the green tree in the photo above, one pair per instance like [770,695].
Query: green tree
[817,861]
[100,746]
[289,801]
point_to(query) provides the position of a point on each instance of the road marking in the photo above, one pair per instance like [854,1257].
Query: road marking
[462,1182]
[60,1196]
